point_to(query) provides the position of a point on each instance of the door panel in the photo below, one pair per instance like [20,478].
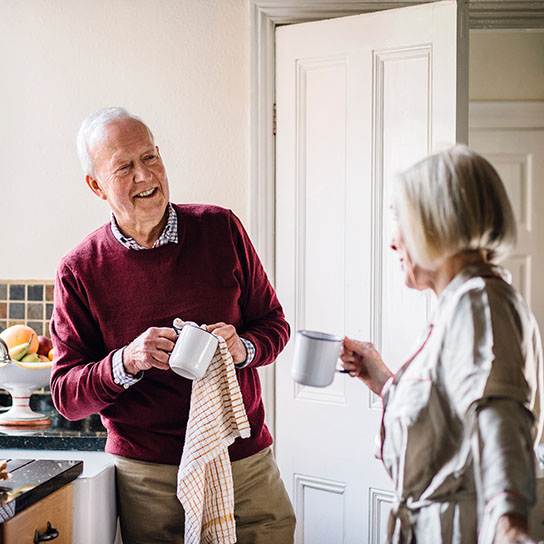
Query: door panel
[358,98]
[518,158]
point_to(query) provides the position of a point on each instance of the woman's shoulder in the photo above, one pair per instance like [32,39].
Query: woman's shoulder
[487,292]
[485,318]
[488,341]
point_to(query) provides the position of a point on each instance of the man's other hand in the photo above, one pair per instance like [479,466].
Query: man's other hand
[235,346]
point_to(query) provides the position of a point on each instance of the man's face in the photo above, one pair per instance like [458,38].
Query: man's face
[130,175]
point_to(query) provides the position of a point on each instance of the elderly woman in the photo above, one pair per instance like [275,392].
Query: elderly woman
[462,415]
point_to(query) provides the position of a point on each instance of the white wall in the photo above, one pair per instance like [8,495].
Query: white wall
[506,65]
[182,65]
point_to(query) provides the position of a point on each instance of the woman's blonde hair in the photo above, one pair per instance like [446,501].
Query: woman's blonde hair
[451,202]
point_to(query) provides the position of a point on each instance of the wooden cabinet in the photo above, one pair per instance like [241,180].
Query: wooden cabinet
[56,509]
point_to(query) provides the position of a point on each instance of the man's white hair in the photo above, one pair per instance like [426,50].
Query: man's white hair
[92,131]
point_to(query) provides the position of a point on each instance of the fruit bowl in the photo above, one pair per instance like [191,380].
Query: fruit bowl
[21,380]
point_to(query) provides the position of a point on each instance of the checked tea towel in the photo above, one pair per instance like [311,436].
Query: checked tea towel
[216,418]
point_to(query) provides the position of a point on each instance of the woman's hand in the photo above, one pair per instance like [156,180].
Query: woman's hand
[363,361]
[512,530]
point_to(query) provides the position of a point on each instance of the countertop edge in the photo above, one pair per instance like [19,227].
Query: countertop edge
[78,443]
[46,488]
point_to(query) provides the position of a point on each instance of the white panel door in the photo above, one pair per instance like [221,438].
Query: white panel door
[358,98]
[518,156]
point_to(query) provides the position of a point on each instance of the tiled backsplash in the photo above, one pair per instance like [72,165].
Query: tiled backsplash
[31,303]
[26,302]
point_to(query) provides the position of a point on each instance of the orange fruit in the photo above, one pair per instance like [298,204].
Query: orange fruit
[50,354]
[19,334]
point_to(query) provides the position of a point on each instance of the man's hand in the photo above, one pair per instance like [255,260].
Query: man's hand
[151,349]
[235,346]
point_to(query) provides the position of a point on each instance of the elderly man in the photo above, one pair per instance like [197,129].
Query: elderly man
[116,296]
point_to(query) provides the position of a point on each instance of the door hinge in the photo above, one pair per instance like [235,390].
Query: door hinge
[274,118]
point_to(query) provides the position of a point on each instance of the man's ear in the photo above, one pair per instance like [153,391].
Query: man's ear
[95,187]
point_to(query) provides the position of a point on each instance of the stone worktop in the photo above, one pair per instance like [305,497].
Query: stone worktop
[85,435]
[31,480]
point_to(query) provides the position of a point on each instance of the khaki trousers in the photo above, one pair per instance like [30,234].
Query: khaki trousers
[150,512]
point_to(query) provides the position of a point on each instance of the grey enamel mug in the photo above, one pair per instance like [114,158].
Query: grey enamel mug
[316,357]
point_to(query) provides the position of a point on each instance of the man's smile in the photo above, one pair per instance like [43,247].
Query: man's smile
[147,193]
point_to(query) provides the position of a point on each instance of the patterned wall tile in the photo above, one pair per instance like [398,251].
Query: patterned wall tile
[16,291]
[34,292]
[29,303]
[26,302]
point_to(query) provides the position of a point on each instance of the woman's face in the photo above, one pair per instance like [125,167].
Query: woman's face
[415,277]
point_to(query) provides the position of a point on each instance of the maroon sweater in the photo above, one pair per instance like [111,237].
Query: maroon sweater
[107,295]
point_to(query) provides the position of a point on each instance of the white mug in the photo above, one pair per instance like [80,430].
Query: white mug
[193,352]
[316,356]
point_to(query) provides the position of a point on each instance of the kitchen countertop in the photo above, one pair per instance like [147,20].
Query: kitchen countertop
[86,435]
[32,480]
[93,492]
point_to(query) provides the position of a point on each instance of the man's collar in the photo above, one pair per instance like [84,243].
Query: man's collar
[169,234]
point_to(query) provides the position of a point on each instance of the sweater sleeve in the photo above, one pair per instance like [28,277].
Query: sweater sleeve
[264,321]
[82,381]
[484,351]
[504,461]
[485,375]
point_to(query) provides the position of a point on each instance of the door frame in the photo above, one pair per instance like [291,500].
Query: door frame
[265,15]
[499,114]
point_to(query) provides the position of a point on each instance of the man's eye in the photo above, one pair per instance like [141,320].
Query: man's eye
[150,158]
[123,169]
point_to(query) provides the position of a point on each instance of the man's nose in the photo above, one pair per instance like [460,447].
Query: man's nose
[142,172]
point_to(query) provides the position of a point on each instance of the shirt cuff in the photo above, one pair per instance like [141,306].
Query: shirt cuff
[120,376]
[250,349]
